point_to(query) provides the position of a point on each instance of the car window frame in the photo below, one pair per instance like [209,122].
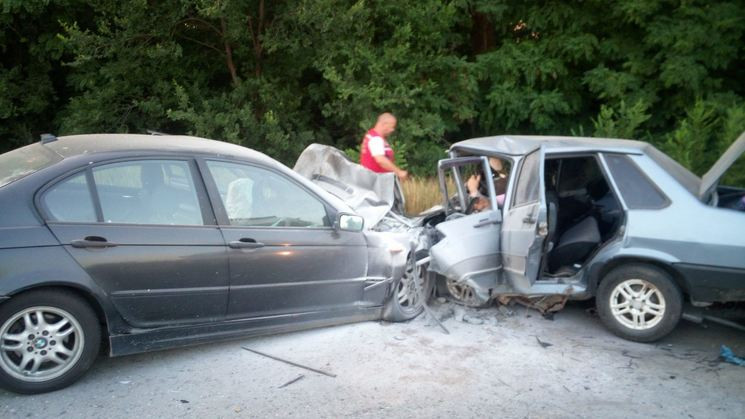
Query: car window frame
[518,178]
[603,168]
[511,176]
[221,214]
[44,210]
[619,195]
[205,207]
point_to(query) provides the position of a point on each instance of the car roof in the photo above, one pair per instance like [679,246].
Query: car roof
[517,145]
[74,145]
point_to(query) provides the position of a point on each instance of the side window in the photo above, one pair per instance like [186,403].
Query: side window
[70,201]
[528,183]
[148,192]
[256,197]
[637,190]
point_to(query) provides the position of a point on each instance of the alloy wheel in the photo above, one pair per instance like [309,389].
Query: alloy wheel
[407,292]
[40,343]
[637,304]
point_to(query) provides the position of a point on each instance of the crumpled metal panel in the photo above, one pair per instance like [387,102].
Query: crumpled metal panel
[371,195]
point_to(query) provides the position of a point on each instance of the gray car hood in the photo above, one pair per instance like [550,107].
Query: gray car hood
[711,178]
[371,195]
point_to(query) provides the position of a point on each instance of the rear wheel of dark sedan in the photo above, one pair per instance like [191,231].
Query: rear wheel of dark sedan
[48,339]
[639,302]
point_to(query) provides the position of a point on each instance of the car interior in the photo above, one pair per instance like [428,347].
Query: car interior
[138,193]
[583,213]
[258,198]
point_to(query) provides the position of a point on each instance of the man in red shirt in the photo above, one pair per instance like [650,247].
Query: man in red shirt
[376,154]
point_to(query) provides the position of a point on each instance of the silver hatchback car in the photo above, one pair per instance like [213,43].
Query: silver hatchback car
[617,220]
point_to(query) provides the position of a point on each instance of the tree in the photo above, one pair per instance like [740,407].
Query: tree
[278,75]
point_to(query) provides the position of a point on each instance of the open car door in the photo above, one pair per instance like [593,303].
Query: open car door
[525,225]
[468,249]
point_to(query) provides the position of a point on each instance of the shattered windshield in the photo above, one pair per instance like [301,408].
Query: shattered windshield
[24,161]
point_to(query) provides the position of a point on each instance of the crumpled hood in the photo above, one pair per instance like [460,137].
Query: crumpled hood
[371,195]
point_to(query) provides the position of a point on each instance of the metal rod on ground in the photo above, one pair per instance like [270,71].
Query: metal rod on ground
[725,322]
[424,297]
[294,380]
[294,364]
[699,318]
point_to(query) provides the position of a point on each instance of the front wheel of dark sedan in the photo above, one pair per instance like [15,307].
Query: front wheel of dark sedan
[406,301]
[639,302]
[48,339]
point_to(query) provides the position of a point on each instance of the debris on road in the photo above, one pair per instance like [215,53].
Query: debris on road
[543,344]
[545,304]
[294,380]
[294,364]
[472,319]
[727,354]
[505,311]
[424,297]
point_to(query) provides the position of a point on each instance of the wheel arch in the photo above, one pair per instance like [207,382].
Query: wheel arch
[614,263]
[82,293]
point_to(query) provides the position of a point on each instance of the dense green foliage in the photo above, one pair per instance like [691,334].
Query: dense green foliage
[278,75]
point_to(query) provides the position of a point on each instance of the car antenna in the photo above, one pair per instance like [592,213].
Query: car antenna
[48,138]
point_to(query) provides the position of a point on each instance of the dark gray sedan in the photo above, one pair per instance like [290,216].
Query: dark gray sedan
[152,242]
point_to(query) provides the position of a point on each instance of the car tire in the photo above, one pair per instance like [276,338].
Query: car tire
[405,303]
[464,294]
[639,302]
[48,340]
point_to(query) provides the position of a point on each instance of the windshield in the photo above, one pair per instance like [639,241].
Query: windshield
[22,162]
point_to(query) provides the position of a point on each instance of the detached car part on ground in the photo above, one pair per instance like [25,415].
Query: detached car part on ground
[153,242]
[617,220]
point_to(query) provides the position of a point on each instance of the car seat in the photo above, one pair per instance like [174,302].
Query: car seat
[575,244]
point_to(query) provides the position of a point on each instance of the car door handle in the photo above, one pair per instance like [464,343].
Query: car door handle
[92,241]
[491,219]
[485,222]
[529,219]
[245,243]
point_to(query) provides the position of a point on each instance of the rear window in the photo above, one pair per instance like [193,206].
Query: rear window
[24,161]
[637,190]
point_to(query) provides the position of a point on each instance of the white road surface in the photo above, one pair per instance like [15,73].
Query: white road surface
[494,369]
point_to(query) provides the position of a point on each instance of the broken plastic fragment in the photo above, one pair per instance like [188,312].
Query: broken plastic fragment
[727,354]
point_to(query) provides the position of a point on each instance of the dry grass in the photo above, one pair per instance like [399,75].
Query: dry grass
[421,194]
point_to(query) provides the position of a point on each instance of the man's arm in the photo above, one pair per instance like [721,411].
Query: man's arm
[386,164]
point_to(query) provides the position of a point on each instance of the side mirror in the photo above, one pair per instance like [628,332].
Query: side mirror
[348,222]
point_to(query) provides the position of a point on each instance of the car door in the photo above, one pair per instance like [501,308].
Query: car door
[469,245]
[143,231]
[524,227]
[285,255]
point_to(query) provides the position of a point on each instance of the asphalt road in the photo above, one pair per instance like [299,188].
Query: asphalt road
[506,366]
